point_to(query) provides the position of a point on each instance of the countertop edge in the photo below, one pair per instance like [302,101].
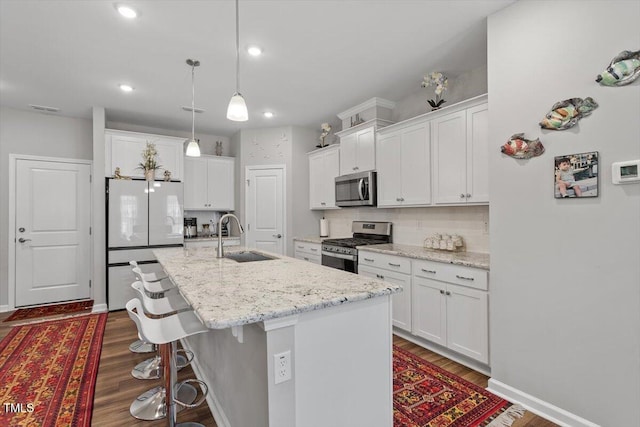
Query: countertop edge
[426,255]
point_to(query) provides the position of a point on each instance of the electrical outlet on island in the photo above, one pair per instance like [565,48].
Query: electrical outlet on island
[282,366]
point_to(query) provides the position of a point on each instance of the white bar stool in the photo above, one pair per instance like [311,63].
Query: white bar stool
[161,285]
[151,369]
[165,331]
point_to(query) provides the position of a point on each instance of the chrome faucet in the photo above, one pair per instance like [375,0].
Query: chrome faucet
[220,253]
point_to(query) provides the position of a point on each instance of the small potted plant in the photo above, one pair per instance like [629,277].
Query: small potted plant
[326,129]
[440,81]
[149,162]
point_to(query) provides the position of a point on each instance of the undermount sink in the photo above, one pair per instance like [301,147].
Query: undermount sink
[247,256]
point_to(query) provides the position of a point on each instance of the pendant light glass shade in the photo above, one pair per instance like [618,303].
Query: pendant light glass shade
[193,148]
[237,110]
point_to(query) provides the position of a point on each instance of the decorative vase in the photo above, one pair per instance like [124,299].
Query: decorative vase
[150,175]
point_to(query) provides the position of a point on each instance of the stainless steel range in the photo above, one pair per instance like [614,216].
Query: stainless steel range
[342,253]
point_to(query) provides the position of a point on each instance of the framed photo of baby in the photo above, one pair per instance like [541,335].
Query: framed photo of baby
[576,175]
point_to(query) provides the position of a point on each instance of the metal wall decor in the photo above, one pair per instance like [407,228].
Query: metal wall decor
[622,70]
[576,175]
[519,147]
[565,114]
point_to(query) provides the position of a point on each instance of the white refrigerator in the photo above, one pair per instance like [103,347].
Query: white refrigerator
[141,215]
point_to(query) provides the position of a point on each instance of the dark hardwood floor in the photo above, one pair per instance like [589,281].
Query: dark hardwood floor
[116,388]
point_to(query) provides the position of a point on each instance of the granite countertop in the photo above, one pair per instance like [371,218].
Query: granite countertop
[309,239]
[468,259]
[209,238]
[227,293]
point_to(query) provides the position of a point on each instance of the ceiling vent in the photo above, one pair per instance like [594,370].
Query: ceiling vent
[44,108]
[195,110]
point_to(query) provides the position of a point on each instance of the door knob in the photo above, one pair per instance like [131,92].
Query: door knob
[22,240]
[277,236]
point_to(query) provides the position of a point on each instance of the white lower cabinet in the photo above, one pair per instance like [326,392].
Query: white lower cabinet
[394,270]
[450,307]
[308,251]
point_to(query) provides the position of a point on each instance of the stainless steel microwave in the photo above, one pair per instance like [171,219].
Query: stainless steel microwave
[357,189]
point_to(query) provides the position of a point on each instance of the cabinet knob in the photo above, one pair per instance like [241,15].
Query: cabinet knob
[442,291]
[402,199]
[322,203]
[464,278]
[428,271]
[397,199]
[462,195]
[447,293]
[468,195]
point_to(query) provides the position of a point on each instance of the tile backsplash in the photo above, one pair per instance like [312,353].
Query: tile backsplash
[412,225]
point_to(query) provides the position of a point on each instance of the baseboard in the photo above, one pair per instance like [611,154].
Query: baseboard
[100,308]
[539,407]
[449,354]
[213,402]
[4,308]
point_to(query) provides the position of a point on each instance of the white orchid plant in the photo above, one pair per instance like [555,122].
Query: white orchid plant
[440,81]
[326,129]
[149,158]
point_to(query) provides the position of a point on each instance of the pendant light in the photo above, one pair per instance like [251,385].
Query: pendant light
[237,110]
[193,149]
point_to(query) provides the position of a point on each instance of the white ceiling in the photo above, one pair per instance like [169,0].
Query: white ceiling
[321,57]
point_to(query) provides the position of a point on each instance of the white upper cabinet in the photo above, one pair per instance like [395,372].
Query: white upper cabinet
[358,151]
[478,154]
[209,183]
[404,172]
[124,150]
[460,156]
[324,166]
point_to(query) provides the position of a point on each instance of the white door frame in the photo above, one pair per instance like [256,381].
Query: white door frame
[282,167]
[13,160]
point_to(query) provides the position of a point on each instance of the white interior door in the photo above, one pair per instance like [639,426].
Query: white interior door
[265,209]
[52,248]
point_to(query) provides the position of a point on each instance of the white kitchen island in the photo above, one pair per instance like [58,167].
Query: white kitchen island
[335,325]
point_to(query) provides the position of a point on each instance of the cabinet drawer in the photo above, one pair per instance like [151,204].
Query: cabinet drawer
[307,247]
[465,276]
[387,262]
[316,259]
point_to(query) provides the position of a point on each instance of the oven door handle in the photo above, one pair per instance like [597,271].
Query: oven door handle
[341,256]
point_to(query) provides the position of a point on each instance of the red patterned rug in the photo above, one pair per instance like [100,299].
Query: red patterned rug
[425,395]
[48,372]
[50,310]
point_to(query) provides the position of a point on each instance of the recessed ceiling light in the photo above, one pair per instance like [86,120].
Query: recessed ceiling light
[126,11]
[268,114]
[125,88]
[254,50]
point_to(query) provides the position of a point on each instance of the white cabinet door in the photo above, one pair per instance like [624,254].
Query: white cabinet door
[448,135]
[195,183]
[209,183]
[429,310]
[389,170]
[401,302]
[220,181]
[324,166]
[467,322]
[348,149]
[478,154]
[170,156]
[126,154]
[415,170]
[366,150]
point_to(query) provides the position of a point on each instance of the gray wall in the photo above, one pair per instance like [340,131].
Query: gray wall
[460,88]
[37,134]
[565,274]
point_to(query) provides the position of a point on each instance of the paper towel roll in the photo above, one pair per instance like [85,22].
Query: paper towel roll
[324,228]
